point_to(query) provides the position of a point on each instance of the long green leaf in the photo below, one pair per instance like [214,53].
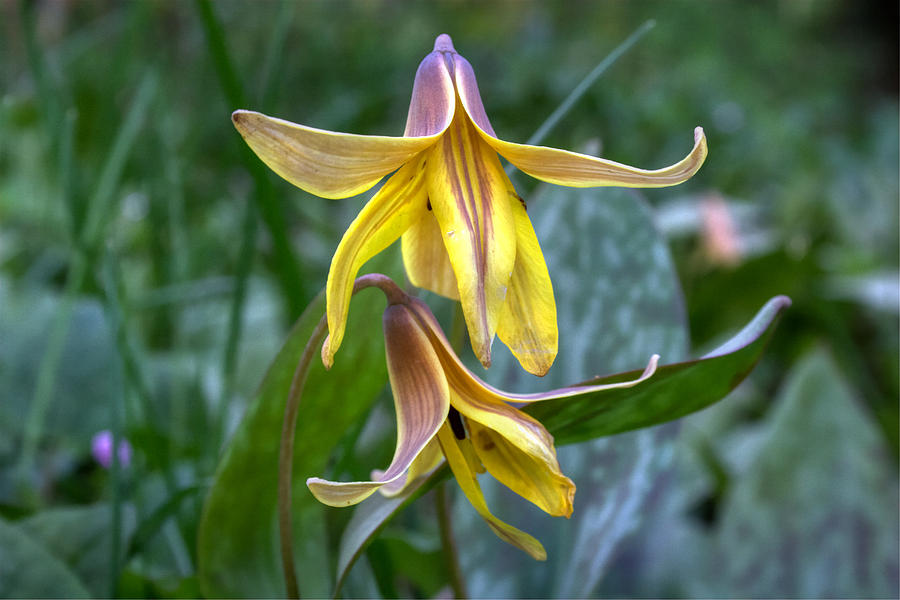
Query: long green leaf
[238,547]
[371,517]
[674,391]
[81,538]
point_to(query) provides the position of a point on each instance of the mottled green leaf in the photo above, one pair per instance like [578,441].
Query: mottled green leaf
[238,540]
[815,515]
[83,369]
[29,570]
[370,518]
[80,537]
[618,302]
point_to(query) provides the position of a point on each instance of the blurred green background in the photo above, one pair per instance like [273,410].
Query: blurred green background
[150,265]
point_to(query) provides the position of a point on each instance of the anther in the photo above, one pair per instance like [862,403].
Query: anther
[456,424]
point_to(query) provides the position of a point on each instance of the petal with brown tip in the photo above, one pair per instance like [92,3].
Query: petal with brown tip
[325,163]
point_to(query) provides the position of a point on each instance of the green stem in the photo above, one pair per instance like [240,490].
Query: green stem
[274,52]
[448,544]
[586,83]
[289,427]
[115,469]
[48,94]
[46,378]
[129,365]
[235,321]
[99,211]
[290,274]
[286,456]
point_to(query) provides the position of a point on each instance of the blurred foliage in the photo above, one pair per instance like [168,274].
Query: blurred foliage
[150,268]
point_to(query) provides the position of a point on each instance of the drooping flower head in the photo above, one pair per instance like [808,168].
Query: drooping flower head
[445,411]
[466,234]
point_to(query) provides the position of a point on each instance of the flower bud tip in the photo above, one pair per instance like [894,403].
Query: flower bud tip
[443,43]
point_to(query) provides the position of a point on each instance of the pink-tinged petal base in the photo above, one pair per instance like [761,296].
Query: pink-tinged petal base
[433,98]
[421,399]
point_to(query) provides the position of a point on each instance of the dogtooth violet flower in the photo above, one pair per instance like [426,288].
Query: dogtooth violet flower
[465,233]
[445,411]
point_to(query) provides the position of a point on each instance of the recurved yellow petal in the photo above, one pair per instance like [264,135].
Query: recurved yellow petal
[467,189]
[325,163]
[469,484]
[528,321]
[572,169]
[421,400]
[426,260]
[584,388]
[343,493]
[539,481]
[569,168]
[463,380]
[481,407]
[400,203]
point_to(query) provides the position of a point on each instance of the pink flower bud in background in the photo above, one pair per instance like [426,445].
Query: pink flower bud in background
[720,235]
[102,449]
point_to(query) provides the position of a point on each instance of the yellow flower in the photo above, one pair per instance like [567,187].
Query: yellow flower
[443,410]
[465,232]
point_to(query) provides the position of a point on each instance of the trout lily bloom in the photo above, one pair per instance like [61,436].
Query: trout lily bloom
[445,411]
[465,232]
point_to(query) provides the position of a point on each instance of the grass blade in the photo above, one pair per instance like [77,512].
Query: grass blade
[566,105]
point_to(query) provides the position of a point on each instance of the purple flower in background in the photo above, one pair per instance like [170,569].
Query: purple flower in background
[102,449]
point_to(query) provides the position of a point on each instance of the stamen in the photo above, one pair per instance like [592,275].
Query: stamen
[456,424]
[428,205]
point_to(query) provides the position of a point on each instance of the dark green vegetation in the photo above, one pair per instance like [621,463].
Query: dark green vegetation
[151,267]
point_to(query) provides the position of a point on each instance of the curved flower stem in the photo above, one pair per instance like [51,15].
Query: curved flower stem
[394,294]
[289,426]
[286,456]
